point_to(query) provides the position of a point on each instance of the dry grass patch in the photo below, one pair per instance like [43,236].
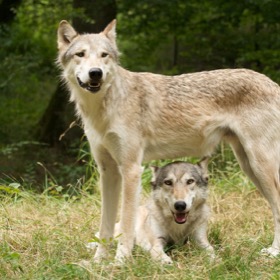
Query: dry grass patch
[44,238]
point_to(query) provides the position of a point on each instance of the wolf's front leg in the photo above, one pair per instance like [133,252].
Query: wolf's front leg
[110,180]
[131,177]
[200,236]
[157,251]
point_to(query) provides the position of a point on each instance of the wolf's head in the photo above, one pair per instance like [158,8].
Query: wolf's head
[179,187]
[87,59]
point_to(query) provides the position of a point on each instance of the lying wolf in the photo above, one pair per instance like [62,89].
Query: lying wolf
[132,117]
[176,210]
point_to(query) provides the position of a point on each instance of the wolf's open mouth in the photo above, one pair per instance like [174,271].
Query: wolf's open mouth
[91,86]
[180,218]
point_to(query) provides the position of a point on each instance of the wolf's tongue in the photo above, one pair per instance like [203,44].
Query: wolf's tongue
[180,218]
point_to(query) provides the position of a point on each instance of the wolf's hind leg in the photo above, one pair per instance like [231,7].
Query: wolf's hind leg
[262,167]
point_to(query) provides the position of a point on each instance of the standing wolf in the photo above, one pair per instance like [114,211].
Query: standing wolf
[133,117]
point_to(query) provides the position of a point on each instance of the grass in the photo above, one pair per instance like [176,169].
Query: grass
[44,237]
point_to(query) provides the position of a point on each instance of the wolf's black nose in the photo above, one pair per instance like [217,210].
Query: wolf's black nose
[180,205]
[95,74]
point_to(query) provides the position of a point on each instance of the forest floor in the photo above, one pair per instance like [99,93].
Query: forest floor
[31,164]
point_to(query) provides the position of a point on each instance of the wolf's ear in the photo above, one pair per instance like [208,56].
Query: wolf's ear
[110,31]
[65,34]
[203,164]
[154,172]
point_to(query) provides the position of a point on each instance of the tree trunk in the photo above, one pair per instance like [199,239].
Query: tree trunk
[57,118]
[60,114]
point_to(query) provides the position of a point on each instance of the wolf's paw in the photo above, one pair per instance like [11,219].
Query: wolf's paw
[123,253]
[272,252]
[100,254]
[121,258]
[85,264]
[92,245]
[166,260]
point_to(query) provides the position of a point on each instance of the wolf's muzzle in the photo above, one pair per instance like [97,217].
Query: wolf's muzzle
[180,216]
[94,83]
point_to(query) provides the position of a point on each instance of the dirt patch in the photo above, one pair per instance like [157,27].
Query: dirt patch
[34,163]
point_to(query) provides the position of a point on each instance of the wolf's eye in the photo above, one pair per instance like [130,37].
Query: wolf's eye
[190,181]
[104,54]
[80,54]
[168,182]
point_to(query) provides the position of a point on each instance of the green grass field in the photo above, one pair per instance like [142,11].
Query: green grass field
[44,236]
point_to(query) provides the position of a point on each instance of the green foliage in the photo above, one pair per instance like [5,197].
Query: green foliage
[28,75]
[181,36]
[33,32]
[91,171]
